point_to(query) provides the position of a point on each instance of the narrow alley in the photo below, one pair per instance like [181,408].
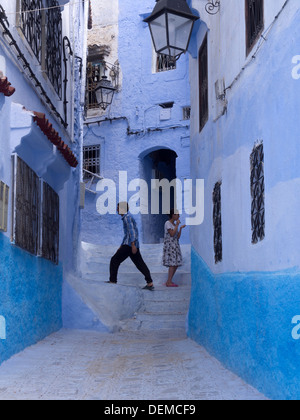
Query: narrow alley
[141,365]
[150,358]
[145,141]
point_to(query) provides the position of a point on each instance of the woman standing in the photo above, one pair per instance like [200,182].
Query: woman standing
[172,256]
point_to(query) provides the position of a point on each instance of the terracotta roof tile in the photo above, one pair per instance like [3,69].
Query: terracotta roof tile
[53,136]
[6,88]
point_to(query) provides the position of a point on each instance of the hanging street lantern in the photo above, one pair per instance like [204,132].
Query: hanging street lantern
[171,24]
[104,93]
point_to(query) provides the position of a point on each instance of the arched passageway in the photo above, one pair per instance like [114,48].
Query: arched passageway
[157,164]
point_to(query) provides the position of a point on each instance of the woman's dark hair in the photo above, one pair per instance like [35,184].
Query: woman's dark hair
[172,212]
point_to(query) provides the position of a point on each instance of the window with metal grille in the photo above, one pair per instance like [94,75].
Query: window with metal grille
[4,194]
[203,84]
[27,208]
[217,221]
[164,63]
[41,24]
[186,113]
[254,22]
[91,161]
[31,23]
[36,213]
[53,34]
[257,181]
[94,73]
[50,224]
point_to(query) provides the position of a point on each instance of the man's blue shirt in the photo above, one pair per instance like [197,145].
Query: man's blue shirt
[131,233]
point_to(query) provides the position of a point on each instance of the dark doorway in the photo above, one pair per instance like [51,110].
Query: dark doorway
[158,164]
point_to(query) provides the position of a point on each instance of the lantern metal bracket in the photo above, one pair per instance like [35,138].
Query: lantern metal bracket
[114,72]
[213,7]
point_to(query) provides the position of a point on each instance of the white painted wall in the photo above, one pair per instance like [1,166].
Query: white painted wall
[262,105]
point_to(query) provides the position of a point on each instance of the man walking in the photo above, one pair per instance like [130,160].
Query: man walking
[130,248]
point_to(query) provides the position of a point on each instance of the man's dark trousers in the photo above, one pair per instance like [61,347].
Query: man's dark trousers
[122,254]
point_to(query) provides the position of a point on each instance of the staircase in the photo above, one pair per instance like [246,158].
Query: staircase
[126,306]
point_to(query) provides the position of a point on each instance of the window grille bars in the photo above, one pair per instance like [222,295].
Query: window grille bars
[26,65]
[91,161]
[43,32]
[217,221]
[94,72]
[53,59]
[31,21]
[257,194]
[36,213]
[165,63]
[254,21]
[50,224]
[203,84]
[186,113]
[27,208]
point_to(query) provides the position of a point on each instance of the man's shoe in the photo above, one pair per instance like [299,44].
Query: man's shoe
[111,282]
[148,288]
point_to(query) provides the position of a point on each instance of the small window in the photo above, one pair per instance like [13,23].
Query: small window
[254,22]
[91,161]
[94,73]
[203,84]
[4,193]
[36,213]
[164,63]
[186,113]
[257,193]
[217,220]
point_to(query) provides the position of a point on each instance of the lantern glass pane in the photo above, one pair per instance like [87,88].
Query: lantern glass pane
[108,96]
[159,32]
[104,93]
[179,31]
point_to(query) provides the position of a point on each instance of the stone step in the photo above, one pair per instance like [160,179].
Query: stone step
[159,306]
[152,255]
[137,279]
[153,322]
[126,305]
[165,294]
[108,249]
[128,267]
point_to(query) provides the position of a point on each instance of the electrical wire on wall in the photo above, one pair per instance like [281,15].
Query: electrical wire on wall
[263,39]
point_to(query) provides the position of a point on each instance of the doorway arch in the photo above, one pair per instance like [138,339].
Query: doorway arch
[158,163]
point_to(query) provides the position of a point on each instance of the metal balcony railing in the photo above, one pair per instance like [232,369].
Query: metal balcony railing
[89,178]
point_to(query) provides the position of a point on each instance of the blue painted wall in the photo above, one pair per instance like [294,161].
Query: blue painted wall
[245,320]
[31,290]
[31,287]
[135,128]
[76,314]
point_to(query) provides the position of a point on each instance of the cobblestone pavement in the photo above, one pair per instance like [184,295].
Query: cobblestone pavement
[142,365]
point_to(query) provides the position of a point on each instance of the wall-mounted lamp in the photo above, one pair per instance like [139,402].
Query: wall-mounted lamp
[103,88]
[104,93]
[171,24]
